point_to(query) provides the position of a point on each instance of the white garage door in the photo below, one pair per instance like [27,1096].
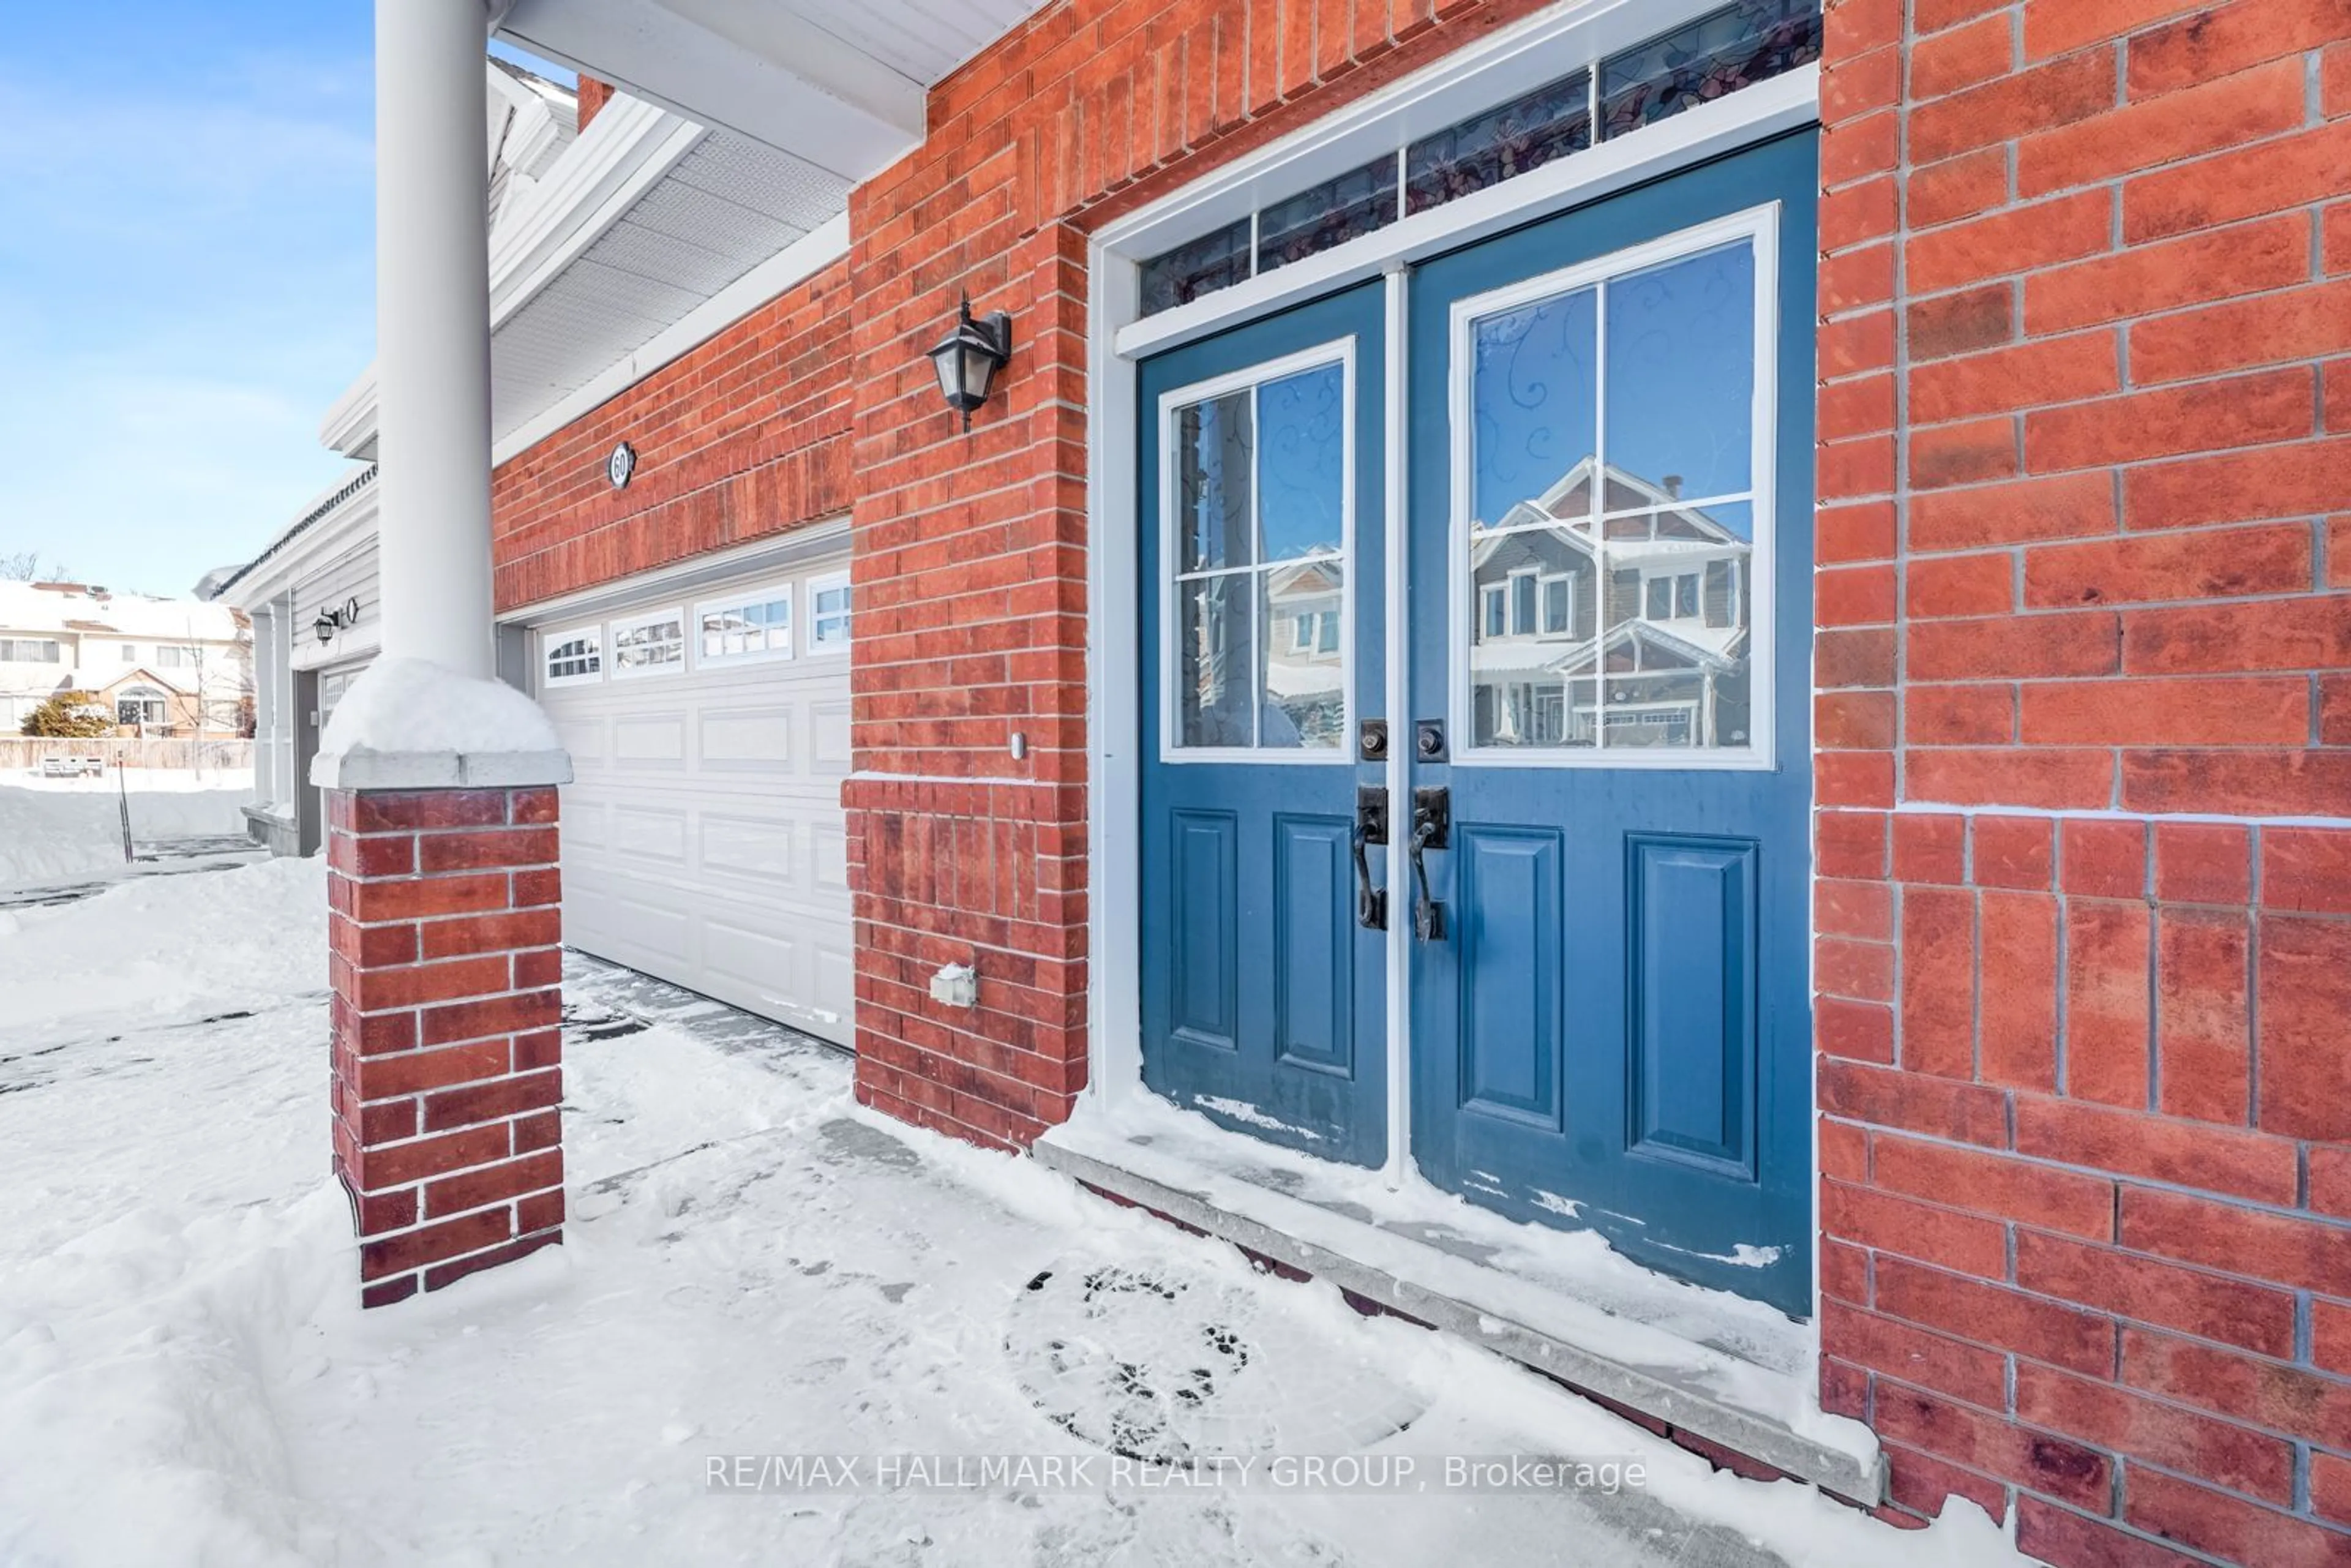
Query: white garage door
[703,836]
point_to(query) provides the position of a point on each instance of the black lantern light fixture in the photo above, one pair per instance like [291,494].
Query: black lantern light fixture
[334,619]
[968,357]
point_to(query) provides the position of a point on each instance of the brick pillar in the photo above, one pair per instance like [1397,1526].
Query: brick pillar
[444,924]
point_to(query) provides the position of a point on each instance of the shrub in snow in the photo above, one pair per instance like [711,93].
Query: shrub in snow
[71,715]
[416,706]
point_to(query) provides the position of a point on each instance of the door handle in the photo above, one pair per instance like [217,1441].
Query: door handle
[1371,828]
[1432,823]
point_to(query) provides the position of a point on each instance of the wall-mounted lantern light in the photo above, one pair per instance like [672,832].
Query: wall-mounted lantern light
[336,619]
[968,357]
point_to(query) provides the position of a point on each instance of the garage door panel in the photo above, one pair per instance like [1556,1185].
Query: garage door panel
[649,741]
[829,748]
[705,841]
[748,739]
[650,832]
[831,853]
[754,847]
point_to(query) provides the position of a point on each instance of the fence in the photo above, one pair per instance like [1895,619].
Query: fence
[25,754]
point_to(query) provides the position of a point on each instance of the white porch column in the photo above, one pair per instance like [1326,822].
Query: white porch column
[432,332]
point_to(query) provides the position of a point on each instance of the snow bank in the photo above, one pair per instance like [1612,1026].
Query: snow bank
[416,706]
[49,833]
[174,946]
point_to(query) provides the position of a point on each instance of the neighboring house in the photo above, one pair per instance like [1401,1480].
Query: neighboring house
[1567,676]
[162,667]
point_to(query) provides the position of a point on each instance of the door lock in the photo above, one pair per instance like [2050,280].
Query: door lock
[1372,740]
[1432,829]
[1371,828]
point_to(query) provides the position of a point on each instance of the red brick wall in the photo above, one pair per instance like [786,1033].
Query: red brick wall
[746,436]
[593,96]
[2086,1074]
[970,564]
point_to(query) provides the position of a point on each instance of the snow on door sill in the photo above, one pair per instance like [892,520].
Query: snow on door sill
[1733,1371]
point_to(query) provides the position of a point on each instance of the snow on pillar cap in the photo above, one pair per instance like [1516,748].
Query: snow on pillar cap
[409,723]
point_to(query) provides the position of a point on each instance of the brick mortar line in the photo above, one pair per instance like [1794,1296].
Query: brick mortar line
[2119,1455]
[425,1223]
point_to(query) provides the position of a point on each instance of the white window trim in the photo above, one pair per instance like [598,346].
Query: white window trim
[622,623]
[1759,226]
[1341,352]
[1544,582]
[549,641]
[838,647]
[781,591]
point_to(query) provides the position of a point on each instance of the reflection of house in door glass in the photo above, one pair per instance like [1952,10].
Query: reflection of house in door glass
[1305,670]
[1668,632]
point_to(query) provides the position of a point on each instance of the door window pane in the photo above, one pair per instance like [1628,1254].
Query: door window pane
[1259,565]
[1534,411]
[1217,457]
[1214,661]
[1681,377]
[651,644]
[1301,463]
[1633,628]
[755,626]
[1305,691]
[829,611]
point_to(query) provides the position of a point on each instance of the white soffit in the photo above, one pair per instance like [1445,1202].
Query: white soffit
[725,208]
[840,85]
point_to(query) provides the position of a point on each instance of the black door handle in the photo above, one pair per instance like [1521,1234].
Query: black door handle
[1371,828]
[1370,903]
[1432,822]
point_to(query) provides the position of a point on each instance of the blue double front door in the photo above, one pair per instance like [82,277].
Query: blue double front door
[1579,843]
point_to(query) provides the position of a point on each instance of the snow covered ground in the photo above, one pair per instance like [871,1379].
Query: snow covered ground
[756,1266]
[53,829]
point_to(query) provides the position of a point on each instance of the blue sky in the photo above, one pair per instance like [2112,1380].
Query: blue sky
[186,275]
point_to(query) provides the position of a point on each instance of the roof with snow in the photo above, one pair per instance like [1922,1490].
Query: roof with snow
[74,608]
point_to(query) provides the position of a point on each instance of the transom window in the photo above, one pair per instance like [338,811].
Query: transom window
[1257,521]
[1720,53]
[575,657]
[28,651]
[650,644]
[829,614]
[753,625]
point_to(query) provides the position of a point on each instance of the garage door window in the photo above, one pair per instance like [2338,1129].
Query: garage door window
[829,614]
[650,644]
[754,626]
[575,657]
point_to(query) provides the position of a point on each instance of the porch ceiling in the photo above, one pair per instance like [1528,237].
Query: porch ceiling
[839,86]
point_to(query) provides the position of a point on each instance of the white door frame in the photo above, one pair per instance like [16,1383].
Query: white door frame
[1514,60]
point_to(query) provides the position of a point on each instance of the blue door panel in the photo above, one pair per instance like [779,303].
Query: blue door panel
[1664,943]
[1512,1033]
[1314,942]
[1201,962]
[1264,1003]
[1690,980]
